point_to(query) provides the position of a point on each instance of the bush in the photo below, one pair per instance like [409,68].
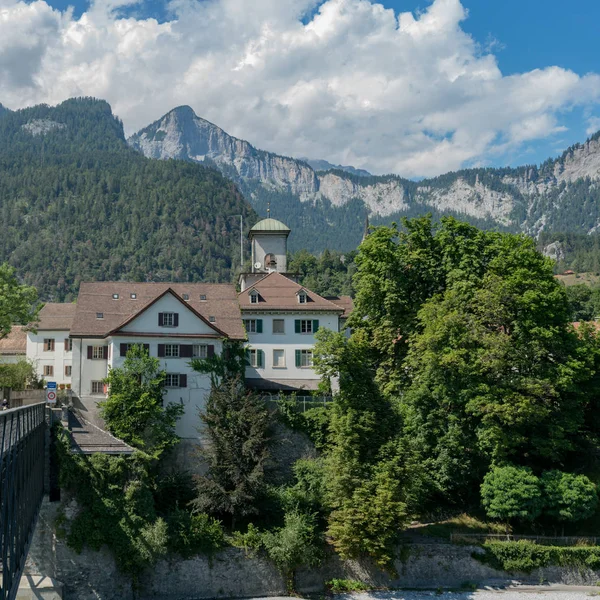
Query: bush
[194,534]
[511,493]
[308,493]
[251,541]
[342,586]
[525,556]
[568,497]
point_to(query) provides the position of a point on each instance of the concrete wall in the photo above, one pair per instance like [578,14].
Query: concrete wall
[270,244]
[94,576]
[59,358]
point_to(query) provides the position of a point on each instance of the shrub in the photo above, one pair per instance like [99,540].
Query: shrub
[194,534]
[568,497]
[341,586]
[251,541]
[511,493]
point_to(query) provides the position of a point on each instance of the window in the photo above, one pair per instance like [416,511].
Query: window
[202,297]
[278,326]
[278,359]
[304,358]
[200,351]
[48,370]
[133,296]
[306,326]
[168,319]
[68,345]
[115,296]
[302,298]
[256,358]
[99,315]
[97,387]
[68,369]
[253,297]
[171,350]
[175,380]
[49,345]
[99,352]
[212,319]
[125,348]
[186,296]
[253,325]
[270,261]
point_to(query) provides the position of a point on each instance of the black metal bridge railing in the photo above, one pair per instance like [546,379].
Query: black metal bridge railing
[22,458]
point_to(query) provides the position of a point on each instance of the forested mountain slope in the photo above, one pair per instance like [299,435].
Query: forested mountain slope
[77,203]
[327,209]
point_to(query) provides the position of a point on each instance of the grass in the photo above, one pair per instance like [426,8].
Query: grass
[591,279]
[461,524]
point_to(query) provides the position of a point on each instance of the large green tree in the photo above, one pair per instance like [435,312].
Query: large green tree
[134,409]
[17,301]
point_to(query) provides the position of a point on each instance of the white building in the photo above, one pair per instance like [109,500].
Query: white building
[281,317]
[49,347]
[175,322]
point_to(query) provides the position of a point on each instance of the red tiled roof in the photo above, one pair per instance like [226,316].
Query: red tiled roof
[344,302]
[221,303]
[277,292]
[56,317]
[15,342]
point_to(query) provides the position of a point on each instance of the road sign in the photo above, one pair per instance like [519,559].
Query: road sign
[51,396]
[51,385]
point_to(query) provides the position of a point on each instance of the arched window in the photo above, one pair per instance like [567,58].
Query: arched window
[270,261]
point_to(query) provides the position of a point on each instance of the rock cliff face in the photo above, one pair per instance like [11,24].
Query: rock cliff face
[182,134]
[528,199]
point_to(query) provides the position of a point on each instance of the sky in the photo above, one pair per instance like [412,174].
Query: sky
[413,87]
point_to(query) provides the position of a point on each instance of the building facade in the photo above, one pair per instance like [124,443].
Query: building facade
[13,347]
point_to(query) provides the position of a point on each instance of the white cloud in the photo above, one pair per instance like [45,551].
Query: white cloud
[356,84]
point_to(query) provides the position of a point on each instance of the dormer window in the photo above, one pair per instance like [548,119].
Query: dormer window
[186,296]
[253,297]
[302,298]
[99,315]
[133,296]
[211,319]
[115,296]
[202,297]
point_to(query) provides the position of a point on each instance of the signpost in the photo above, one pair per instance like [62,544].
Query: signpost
[51,392]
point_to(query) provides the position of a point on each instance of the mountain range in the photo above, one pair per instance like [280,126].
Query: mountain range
[326,205]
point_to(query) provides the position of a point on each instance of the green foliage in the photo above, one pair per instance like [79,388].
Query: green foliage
[329,274]
[17,301]
[251,541]
[568,497]
[153,220]
[308,492]
[314,422]
[194,534]
[18,376]
[294,545]
[525,556]
[509,493]
[231,363]
[237,427]
[116,506]
[134,409]
[345,586]
[173,490]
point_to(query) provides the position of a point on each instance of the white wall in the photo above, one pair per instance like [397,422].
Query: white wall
[270,244]
[289,341]
[189,323]
[59,359]
[11,359]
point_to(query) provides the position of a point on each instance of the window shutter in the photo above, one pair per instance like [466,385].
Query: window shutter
[298,358]
[210,351]
[315,325]
[90,349]
[176,322]
[186,351]
[66,344]
[182,380]
[161,350]
[160,319]
[247,357]
[261,359]
[147,348]
[259,325]
[106,353]
[297,326]
[123,349]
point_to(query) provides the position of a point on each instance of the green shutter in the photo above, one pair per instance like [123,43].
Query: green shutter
[298,357]
[315,325]
[261,359]
[258,325]
[248,361]
[297,325]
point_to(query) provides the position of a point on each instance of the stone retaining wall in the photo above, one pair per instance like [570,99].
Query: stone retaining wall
[231,574]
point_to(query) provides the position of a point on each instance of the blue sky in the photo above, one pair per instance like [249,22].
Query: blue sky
[347,89]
